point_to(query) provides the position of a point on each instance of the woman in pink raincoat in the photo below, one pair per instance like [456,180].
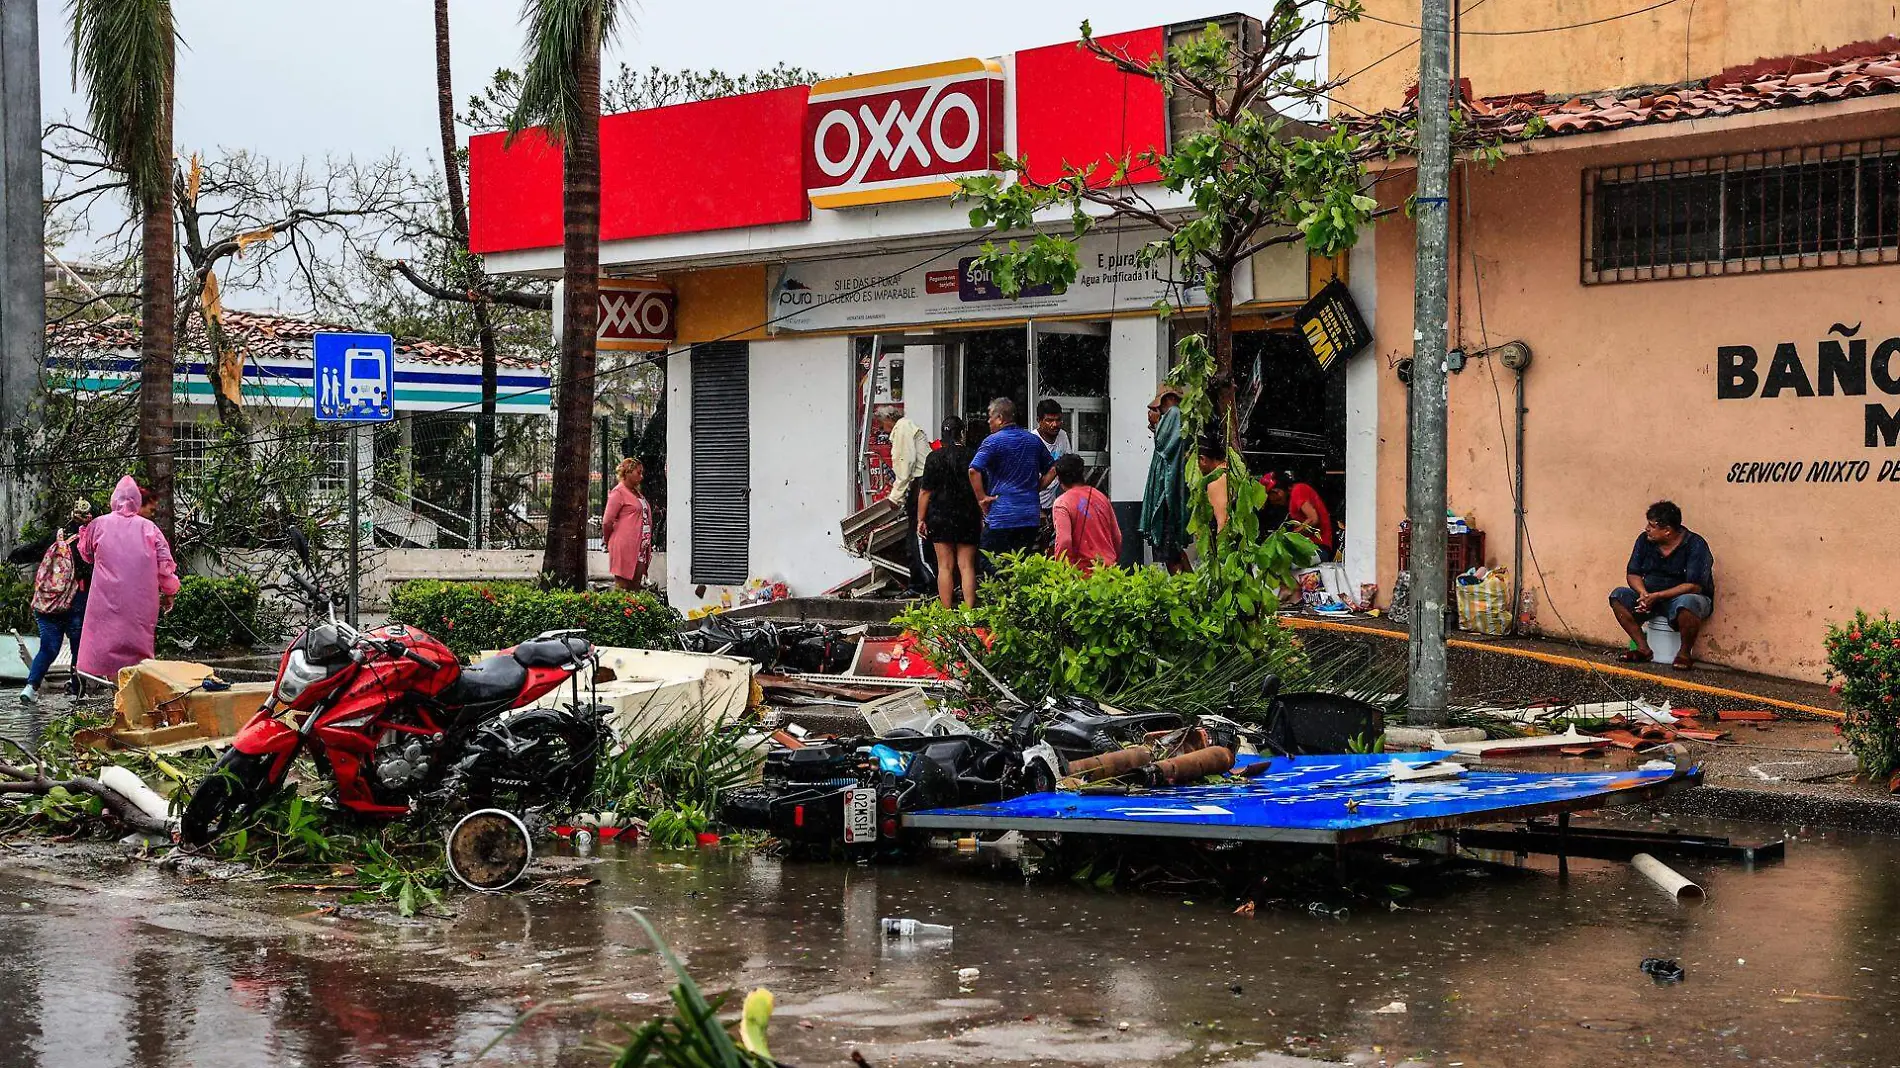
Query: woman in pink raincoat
[133,579]
[627,527]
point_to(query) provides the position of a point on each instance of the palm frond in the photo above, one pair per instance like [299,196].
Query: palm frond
[123,56]
[559,33]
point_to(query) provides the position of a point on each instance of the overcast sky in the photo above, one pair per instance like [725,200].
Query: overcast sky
[294,78]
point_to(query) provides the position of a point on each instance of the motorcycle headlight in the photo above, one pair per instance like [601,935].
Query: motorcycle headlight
[298,674]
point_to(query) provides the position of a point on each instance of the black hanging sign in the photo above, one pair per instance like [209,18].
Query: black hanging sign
[1332,325]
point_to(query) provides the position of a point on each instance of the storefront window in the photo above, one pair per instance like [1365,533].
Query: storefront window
[879,383]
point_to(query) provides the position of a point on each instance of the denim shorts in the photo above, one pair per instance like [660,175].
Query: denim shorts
[1697,604]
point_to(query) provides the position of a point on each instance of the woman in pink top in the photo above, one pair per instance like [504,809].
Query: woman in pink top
[627,527]
[133,579]
[1087,534]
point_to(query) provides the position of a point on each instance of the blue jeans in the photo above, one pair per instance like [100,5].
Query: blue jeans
[52,630]
[1696,604]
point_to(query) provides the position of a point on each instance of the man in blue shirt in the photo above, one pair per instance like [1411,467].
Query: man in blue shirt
[1017,466]
[1671,574]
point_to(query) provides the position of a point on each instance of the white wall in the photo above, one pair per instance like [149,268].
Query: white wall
[1135,366]
[802,466]
[679,479]
[1362,424]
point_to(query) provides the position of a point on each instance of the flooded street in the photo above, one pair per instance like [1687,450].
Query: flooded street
[108,963]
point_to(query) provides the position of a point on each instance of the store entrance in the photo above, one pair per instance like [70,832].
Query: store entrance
[1294,412]
[1062,362]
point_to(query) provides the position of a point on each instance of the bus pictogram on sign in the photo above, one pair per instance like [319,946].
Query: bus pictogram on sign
[902,134]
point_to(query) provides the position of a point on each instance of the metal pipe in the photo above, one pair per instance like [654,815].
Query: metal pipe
[1425,481]
[1517,518]
[1665,877]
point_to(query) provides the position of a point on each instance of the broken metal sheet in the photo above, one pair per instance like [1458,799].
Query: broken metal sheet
[1319,800]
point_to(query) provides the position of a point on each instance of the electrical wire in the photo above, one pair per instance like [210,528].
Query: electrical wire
[1518,33]
[646,361]
[1462,11]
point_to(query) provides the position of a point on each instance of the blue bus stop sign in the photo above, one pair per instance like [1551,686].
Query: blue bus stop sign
[353,378]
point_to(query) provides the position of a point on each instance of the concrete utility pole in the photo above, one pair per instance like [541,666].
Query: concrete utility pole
[1425,473]
[22,277]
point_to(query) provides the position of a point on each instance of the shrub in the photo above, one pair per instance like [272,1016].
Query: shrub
[469,617]
[16,601]
[215,614]
[1863,660]
[1052,629]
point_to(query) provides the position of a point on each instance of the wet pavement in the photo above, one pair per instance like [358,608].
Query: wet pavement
[113,961]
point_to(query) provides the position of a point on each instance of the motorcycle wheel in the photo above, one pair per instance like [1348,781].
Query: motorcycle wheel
[489,850]
[233,787]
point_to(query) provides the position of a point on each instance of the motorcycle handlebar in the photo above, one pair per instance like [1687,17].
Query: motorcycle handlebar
[396,648]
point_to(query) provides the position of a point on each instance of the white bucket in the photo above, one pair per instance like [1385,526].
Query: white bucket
[1664,642]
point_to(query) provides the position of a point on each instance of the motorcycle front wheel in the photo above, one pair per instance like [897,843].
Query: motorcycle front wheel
[233,787]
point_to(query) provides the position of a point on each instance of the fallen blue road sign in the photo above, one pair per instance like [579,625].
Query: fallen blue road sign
[1318,799]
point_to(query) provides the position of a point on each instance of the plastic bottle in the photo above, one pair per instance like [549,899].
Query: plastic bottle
[1527,612]
[908,930]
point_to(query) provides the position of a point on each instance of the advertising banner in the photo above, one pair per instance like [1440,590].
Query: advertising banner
[909,290]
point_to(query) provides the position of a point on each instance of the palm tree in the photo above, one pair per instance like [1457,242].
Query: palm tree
[458,219]
[124,52]
[560,89]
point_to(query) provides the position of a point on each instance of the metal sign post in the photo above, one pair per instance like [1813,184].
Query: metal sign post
[353,381]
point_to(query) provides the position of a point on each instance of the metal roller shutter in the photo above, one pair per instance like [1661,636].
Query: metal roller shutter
[722,464]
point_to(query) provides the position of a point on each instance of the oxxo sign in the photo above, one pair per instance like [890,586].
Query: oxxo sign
[902,134]
[636,314]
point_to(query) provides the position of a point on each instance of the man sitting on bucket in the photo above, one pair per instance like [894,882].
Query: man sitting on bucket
[1671,576]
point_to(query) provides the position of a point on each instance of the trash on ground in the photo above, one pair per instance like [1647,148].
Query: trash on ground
[900,928]
[1663,971]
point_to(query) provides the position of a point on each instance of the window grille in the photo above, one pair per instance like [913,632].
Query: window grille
[1785,209]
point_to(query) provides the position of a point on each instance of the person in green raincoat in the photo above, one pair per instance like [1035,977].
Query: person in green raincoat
[1164,501]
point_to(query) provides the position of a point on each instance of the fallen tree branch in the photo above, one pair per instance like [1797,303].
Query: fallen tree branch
[36,781]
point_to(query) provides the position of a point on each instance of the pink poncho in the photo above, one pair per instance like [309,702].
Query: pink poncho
[131,569]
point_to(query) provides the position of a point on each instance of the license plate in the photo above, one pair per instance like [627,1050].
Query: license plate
[860,816]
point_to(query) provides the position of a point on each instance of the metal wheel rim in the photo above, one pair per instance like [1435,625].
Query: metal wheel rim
[456,869]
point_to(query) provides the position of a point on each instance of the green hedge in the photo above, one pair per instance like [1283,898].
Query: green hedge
[211,615]
[472,616]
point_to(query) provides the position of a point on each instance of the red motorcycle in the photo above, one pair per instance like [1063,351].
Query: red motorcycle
[402,726]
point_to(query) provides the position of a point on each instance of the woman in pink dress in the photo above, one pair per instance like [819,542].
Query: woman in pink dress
[133,580]
[627,527]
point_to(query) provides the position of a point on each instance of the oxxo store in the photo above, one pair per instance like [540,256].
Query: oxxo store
[819,270]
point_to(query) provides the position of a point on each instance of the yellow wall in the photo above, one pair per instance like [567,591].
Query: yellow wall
[1682,41]
[720,303]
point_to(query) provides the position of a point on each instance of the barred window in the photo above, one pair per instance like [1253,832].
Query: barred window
[1821,206]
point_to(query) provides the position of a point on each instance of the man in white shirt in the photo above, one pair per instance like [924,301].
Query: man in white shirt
[1056,440]
[910,447]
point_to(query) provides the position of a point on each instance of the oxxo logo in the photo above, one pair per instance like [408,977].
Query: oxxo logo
[902,134]
[635,314]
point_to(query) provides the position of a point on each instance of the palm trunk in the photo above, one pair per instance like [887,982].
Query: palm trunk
[156,336]
[565,561]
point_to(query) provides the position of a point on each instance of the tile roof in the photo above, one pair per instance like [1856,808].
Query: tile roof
[1765,86]
[261,336]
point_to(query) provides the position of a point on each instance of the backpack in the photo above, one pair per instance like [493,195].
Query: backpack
[56,582]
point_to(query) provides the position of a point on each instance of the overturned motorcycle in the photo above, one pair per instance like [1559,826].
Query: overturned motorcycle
[406,731]
[854,792]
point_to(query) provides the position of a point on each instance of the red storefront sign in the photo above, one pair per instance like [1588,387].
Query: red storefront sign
[636,314]
[902,134]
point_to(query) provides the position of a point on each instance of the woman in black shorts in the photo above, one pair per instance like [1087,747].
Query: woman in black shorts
[948,515]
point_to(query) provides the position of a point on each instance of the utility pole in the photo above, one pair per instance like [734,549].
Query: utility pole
[22,253]
[1425,471]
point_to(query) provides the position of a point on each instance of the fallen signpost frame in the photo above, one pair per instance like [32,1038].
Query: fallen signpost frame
[1319,800]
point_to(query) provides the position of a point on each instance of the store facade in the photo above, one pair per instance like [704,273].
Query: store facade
[818,270]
